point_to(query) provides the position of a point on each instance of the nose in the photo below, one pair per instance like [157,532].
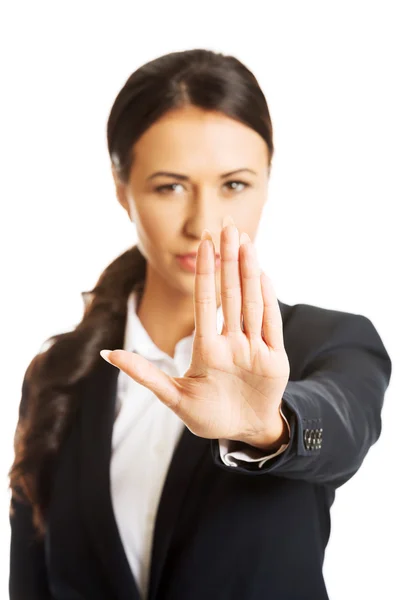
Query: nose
[205,216]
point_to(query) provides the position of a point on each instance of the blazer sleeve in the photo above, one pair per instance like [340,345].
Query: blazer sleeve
[28,574]
[334,407]
[230,453]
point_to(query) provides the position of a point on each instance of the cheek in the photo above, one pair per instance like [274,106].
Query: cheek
[157,233]
[247,217]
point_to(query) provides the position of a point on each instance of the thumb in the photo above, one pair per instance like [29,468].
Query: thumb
[145,373]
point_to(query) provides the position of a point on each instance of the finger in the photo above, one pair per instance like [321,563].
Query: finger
[145,373]
[231,293]
[252,299]
[205,302]
[272,318]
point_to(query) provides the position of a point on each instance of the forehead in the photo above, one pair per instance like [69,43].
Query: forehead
[191,138]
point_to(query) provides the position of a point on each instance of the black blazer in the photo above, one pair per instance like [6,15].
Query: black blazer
[221,533]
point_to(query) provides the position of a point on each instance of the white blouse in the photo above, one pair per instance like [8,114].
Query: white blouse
[145,427]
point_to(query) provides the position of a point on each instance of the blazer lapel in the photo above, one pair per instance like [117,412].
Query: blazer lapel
[184,463]
[97,417]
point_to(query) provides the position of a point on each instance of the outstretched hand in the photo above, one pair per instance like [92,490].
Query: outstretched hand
[234,385]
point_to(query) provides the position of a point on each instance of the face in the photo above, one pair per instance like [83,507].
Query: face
[198,149]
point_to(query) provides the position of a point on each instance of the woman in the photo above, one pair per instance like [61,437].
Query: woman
[200,459]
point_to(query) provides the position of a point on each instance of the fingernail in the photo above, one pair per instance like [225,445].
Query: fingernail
[105,354]
[227,220]
[206,235]
[244,238]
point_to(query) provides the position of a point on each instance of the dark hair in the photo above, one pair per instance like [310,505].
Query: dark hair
[49,405]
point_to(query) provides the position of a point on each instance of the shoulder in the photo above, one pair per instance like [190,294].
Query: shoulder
[311,330]
[31,373]
[310,315]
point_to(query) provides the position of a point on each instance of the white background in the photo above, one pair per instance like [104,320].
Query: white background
[329,233]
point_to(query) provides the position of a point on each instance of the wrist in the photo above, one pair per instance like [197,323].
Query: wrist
[272,439]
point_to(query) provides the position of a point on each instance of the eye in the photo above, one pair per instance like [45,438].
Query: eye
[163,189]
[246,185]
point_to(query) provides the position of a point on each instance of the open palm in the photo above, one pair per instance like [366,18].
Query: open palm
[235,382]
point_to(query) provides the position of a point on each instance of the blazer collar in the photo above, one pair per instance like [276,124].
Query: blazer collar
[96,423]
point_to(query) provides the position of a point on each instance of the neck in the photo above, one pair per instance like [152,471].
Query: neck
[166,314]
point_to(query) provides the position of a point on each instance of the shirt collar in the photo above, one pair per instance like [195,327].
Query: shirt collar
[138,340]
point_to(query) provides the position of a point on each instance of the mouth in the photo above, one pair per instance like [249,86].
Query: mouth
[194,254]
[188,261]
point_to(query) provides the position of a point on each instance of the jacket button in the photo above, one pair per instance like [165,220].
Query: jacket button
[308,438]
[312,439]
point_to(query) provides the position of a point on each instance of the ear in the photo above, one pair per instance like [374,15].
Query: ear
[121,193]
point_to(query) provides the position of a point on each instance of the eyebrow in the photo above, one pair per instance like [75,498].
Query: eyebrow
[186,178]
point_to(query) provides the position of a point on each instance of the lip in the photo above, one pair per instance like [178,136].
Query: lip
[193,255]
[188,262]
